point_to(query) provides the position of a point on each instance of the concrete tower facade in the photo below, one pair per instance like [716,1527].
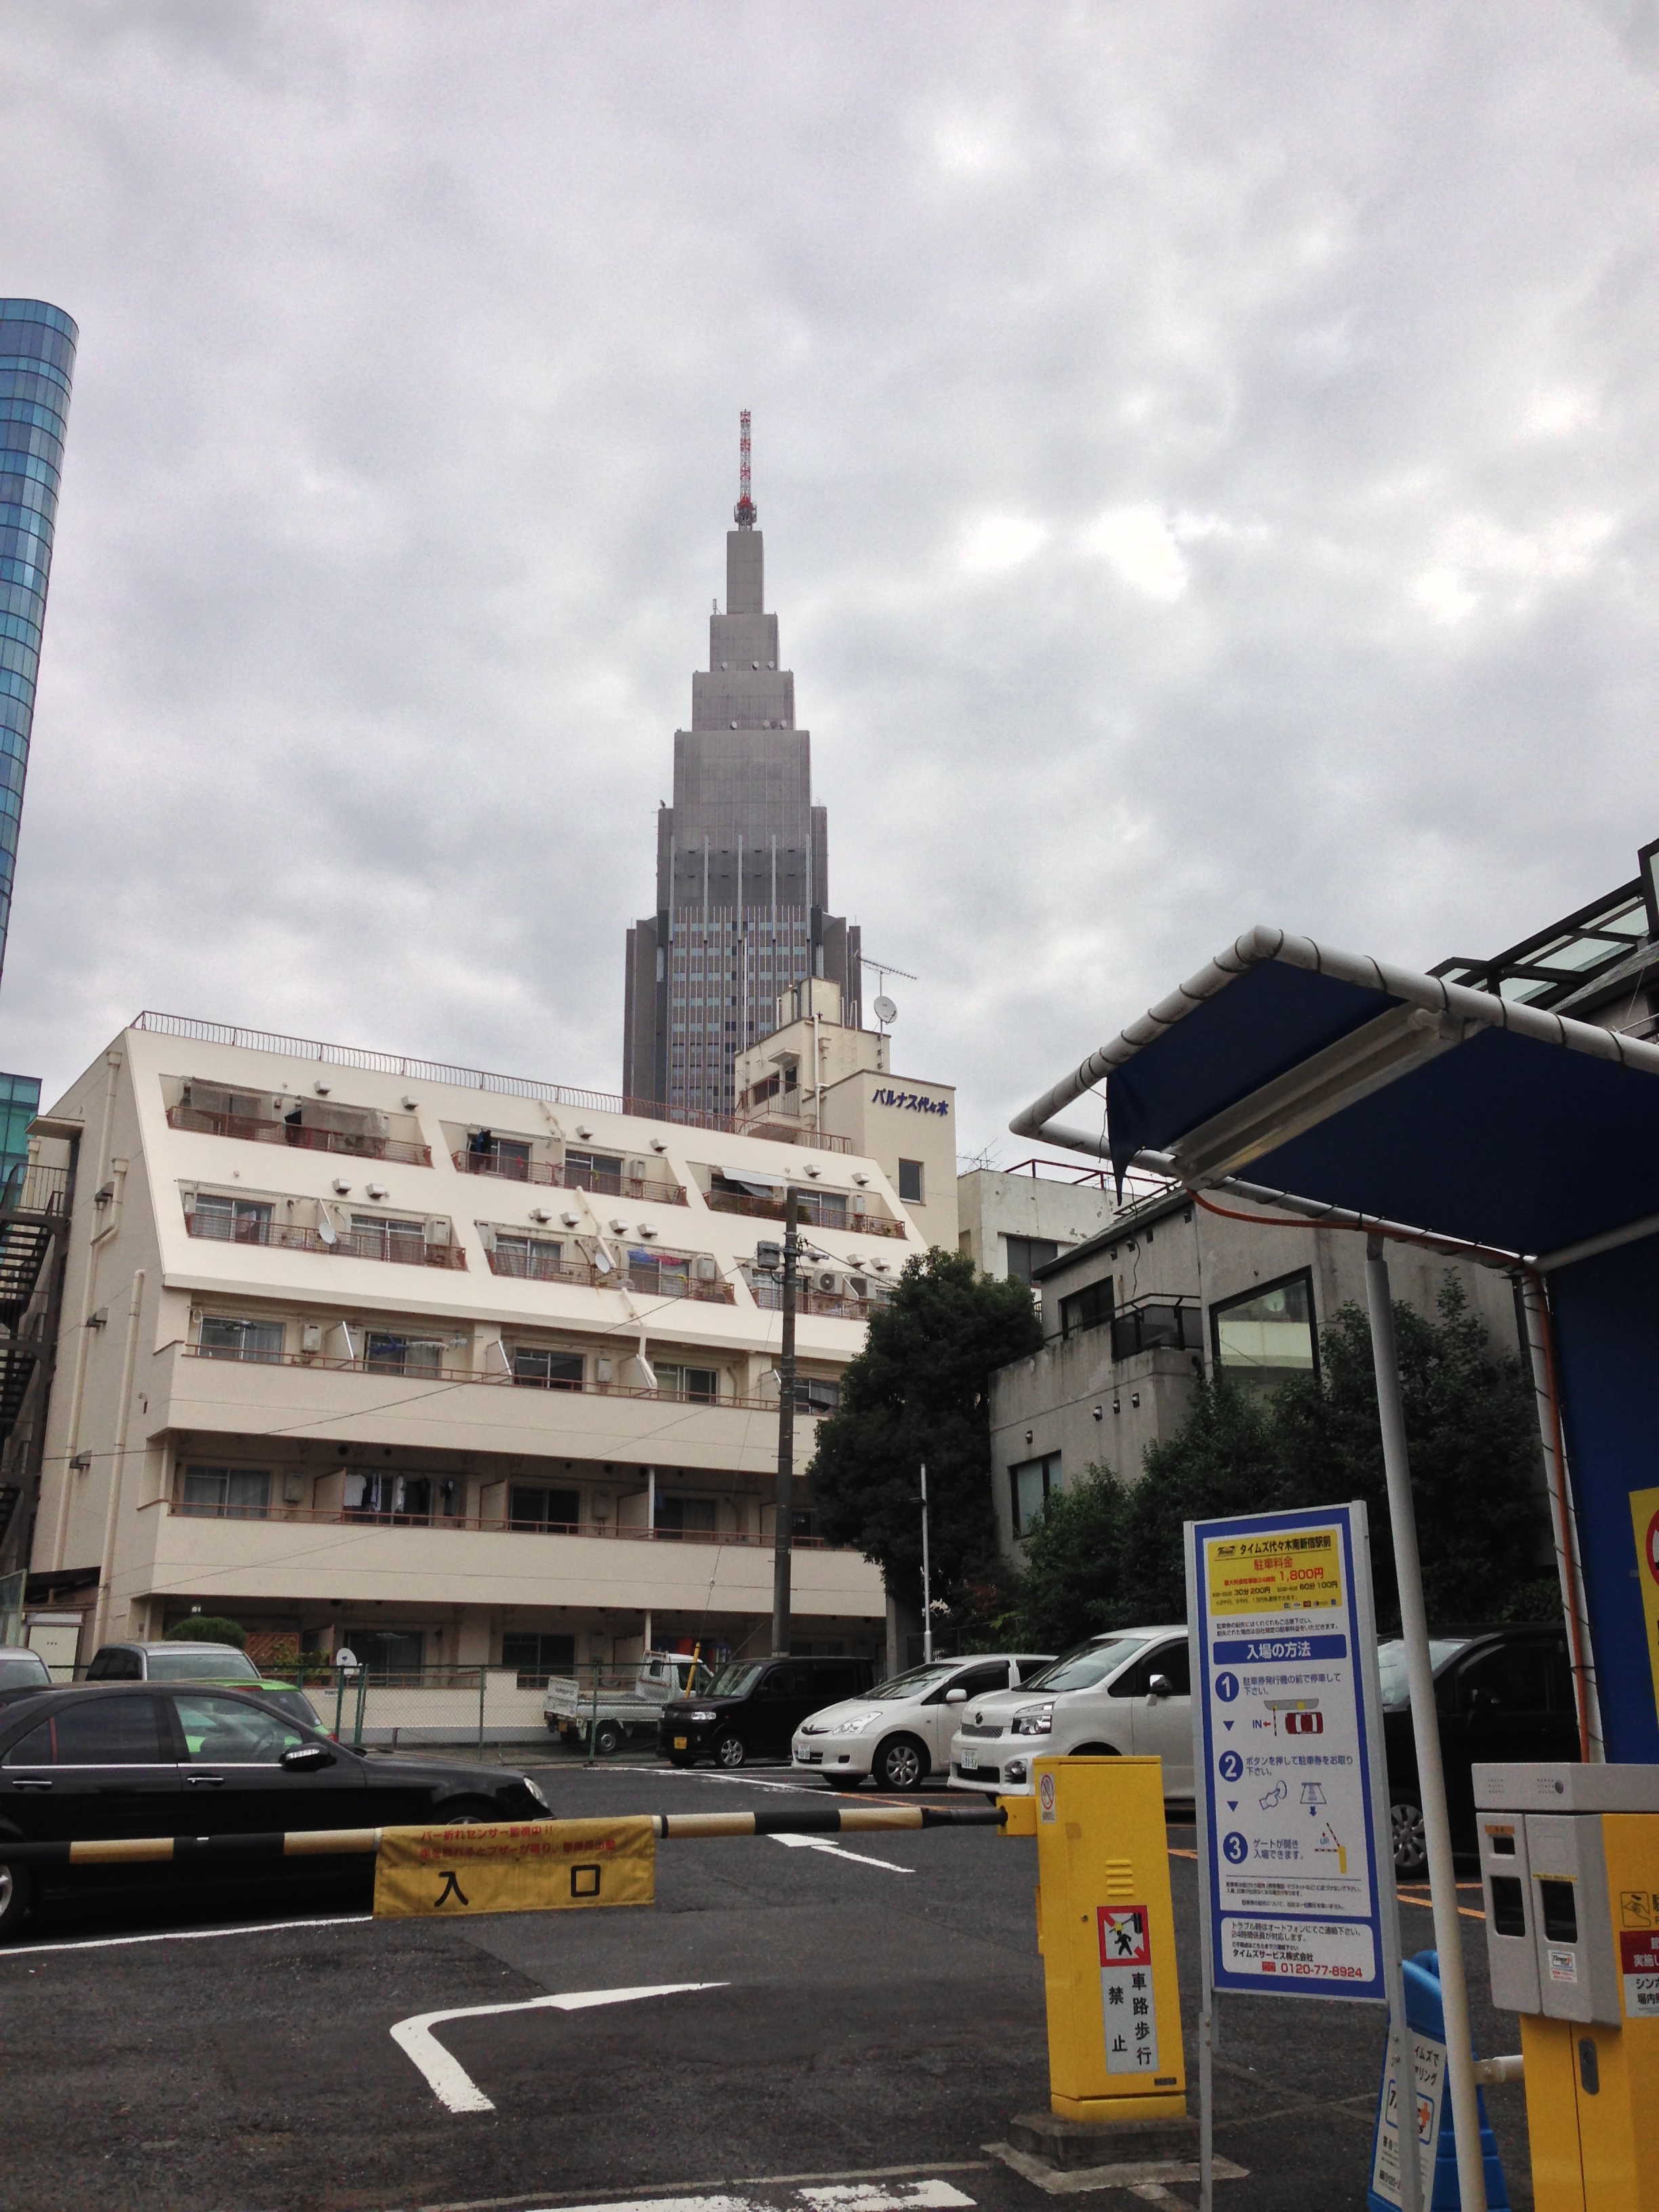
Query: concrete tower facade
[741,866]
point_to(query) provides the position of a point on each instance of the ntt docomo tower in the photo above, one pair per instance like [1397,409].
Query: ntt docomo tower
[742,862]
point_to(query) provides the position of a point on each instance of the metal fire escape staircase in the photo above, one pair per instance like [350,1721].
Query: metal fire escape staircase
[34,1212]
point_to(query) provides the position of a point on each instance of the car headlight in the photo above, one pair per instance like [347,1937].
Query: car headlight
[538,1793]
[1015,1771]
[1035,1720]
[702,1714]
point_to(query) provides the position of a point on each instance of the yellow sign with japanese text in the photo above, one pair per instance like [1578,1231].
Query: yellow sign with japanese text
[1645,1516]
[1299,1571]
[518,1866]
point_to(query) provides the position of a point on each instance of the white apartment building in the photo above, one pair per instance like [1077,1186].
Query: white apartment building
[1015,1220]
[478,1370]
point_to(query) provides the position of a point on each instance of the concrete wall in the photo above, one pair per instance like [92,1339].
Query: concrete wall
[992,1206]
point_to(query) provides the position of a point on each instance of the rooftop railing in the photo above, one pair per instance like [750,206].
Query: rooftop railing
[201,1122]
[403,1247]
[557,1175]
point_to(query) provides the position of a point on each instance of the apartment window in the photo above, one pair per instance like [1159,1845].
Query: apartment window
[1027,1254]
[401,1355]
[530,1506]
[536,1656]
[228,1493]
[680,1516]
[376,1237]
[910,1182]
[1267,1335]
[387,1495]
[386,1651]
[1089,1308]
[224,1337]
[1030,1484]
[668,1274]
[701,1385]
[238,1220]
[591,1171]
[547,1370]
[533,1259]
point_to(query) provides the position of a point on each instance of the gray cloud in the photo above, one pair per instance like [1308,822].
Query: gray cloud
[1207,460]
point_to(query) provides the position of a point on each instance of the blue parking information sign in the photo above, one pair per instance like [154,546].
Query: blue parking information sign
[1287,1730]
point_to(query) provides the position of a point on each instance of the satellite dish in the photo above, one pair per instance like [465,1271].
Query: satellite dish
[885,1010]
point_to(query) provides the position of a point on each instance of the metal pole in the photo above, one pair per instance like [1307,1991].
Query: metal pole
[783,1533]
[363,1703]
[1208,2023]
[1564,1520]
[339,1700]
[1425,1730]
[484,1679]
[927,1580]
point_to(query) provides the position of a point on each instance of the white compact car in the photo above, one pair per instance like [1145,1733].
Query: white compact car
[1128,1690]
[900,1732]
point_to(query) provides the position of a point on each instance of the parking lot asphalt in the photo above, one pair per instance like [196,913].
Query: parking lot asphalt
[864,2017]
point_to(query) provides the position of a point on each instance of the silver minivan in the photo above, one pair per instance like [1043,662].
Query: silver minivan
[1128,1690]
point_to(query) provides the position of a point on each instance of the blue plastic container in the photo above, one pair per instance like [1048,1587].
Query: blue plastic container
[1425,2017]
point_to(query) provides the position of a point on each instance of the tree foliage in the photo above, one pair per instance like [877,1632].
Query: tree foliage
[207,1628]
[1105,1553]
[920,1390]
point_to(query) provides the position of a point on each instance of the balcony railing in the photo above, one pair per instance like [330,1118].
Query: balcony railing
[342,1517]
[390,1244]
[825,1305]
[648,1282]
[1157,1325]
[555,1174]
[779,1128]
[812,1210]
[202,1123]
[448,1376]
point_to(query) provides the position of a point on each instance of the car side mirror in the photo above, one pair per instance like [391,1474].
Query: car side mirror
[956,1697]
[1159,1686]
[307,1758]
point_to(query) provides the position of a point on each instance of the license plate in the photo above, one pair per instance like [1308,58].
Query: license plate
[969,1762]
[680,1743]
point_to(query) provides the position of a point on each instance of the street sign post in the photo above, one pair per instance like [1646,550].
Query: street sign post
[1295,1866]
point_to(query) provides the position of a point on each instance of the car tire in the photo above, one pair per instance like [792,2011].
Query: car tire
[1411,1854]
[1094,1750]
[902,1763]
[731,1750]
[607,1740]
[17,1888]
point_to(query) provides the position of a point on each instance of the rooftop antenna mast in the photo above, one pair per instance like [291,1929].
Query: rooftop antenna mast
[883,1009]
[743,512]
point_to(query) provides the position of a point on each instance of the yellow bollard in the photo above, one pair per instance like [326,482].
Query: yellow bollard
[1106,1930]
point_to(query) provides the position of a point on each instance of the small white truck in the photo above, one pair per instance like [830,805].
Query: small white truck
[579,1709]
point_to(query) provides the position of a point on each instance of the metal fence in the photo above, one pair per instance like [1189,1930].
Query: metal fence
[599,1710]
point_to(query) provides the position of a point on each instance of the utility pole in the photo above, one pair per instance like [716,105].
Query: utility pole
[927,1580]
[785,1529]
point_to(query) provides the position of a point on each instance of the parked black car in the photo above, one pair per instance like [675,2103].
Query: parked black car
[1501,1693]
[752,1709]
[100,1761]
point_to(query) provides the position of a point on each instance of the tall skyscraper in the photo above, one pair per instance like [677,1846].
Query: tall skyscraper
[37,362]
[743,888]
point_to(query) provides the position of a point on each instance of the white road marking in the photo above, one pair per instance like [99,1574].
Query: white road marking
[449,2080]
[191,1934]
[535,2201]
[859,1858]
[872,2198]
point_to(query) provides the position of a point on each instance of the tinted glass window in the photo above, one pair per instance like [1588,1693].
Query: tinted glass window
[1088,1665]
[1391,1665]
[234,1730]
[736,1681]
[18,1668]
[787,1682]
[994,1675]
[94,1732]
[1514,1679]
[200,1662]
[115,1666]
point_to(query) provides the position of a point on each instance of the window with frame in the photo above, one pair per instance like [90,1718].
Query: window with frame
[1089,1308]
[1267,1335]
[544,1370]
[226,1336]
[536,1656]
[665,1274]
[598,1171]
[530,1505]
[910,1182]
[679,1517]
[389,1494]
[378,1236]
[1031,1483]
[237,1220]
[532,1258]
[385,1354]
[96,1732]
[385,1652]
[701,1385]
[1027,1254]
[228,1493]
[817,1394]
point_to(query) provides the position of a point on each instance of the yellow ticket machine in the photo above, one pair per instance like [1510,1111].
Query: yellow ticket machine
[1570,1863]
[1106,1930]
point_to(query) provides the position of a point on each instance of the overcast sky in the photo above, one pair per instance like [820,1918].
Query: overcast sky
[1207,454]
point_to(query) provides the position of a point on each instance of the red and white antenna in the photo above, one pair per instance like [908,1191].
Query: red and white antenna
[743,512]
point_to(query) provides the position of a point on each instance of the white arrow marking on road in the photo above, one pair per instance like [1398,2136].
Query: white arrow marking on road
[859,1858]
[449,2080]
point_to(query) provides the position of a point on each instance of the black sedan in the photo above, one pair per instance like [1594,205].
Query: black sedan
[1499,1693]
[88,1763]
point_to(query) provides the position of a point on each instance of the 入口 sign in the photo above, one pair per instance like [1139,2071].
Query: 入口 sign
[531,1865]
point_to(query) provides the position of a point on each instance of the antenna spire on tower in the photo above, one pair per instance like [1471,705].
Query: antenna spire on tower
[744,513]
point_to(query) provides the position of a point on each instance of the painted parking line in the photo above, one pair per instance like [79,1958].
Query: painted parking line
[834,1851]
[449,2080]
[186,1935]
[540,2200]
[933,2195]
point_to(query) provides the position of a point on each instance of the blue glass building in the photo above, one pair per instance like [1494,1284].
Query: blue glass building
[37,362]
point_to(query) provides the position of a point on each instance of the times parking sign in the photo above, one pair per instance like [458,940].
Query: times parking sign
[1286,1731]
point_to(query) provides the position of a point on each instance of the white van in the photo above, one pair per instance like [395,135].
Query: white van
[1128,1691]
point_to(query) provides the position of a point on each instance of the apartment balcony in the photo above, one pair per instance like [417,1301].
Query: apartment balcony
[673,1275]
[359,1145]
[553,1175]
[434,1516]
[1157,1325]
[390,1242]
[812,1210]
[379,1363]
[823,1305]
[780,1127]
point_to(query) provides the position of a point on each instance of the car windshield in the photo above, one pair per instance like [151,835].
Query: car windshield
[17,1667]
[1391,1665]
[178,1662]
[1088,1665]
[917,1681]
[735,1682]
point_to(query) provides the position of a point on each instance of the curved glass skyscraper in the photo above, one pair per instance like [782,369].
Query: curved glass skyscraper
[37,362]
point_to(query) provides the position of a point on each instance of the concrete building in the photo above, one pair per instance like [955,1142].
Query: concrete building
[743,864]
[1014,1220]
[356,1346]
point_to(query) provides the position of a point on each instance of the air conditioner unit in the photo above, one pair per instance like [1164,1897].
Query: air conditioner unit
[310,1336]
[707,1268]
[636,1169]
[827,1281]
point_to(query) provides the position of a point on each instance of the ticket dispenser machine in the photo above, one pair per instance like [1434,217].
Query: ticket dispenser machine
[1106,1930]
[1570,1863]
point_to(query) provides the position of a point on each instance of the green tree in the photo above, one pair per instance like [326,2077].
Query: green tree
[207,1628]
[1074,1564]
[920,1390]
